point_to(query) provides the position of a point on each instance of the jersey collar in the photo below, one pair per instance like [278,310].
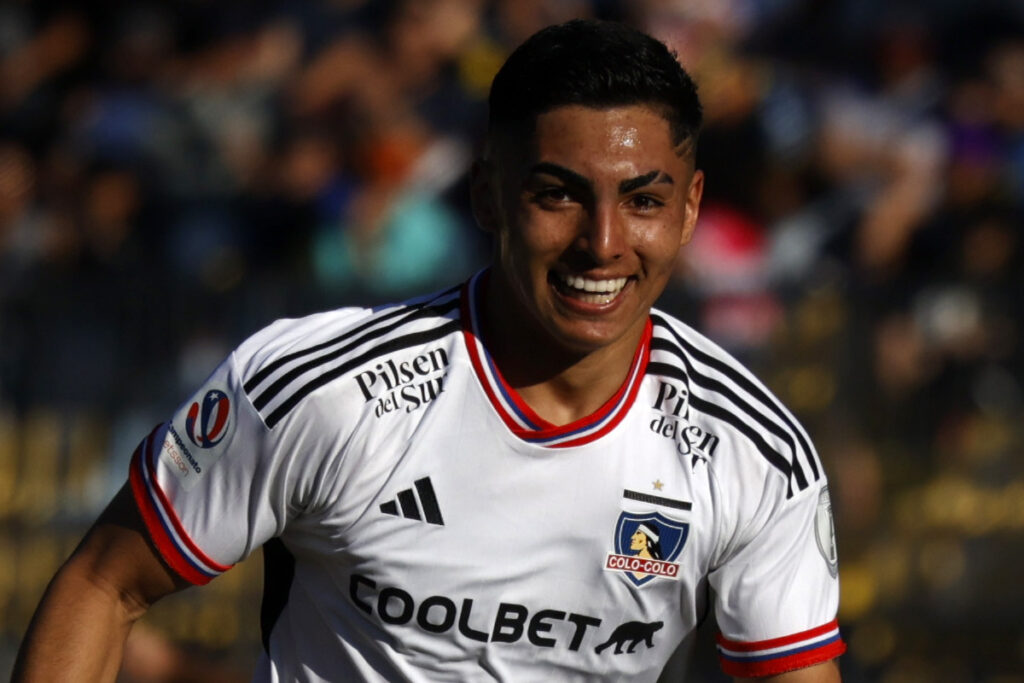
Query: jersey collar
[513,410]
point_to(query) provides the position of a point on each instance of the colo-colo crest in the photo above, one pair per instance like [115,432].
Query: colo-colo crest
[646,546]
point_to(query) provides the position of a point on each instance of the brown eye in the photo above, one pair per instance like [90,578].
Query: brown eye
[645,202]
[552,195]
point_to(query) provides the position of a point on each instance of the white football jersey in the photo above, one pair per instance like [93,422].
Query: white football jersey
[421,522]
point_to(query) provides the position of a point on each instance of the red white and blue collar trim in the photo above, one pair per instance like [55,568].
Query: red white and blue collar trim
[513,410]
[778,655]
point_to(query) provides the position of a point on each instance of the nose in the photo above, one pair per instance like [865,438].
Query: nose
[603,235]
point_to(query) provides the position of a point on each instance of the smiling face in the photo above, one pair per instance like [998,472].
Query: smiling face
[588,219]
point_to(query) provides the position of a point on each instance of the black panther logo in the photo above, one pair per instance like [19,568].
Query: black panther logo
[631,632]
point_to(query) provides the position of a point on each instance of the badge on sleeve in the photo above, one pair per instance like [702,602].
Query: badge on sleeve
[825,532]
[198,435]
[207,421]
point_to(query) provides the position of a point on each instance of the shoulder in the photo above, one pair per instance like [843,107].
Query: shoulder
[283,364]
[761,438]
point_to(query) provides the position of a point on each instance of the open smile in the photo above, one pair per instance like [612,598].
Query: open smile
[596,292]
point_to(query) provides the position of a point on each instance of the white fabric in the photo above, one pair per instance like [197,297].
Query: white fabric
[523,531]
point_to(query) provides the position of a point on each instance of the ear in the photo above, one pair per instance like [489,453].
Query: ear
[483,195]
[693,195]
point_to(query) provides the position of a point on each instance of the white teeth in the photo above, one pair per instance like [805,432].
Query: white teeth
[612,286]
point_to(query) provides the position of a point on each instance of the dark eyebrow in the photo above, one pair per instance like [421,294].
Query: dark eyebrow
[574,178]
[562,173]
[645,179]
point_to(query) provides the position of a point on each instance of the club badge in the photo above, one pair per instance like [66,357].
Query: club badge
[646,546]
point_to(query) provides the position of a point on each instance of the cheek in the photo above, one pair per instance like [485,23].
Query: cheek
[659,242]
[524,258]
[542,236]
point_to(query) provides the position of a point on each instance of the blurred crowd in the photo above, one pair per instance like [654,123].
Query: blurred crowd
[175,175]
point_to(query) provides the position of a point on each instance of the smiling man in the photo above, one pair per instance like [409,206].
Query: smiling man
[453,488]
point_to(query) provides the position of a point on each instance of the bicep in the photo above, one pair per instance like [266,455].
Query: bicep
[118,556]
[823,672]
[90,605]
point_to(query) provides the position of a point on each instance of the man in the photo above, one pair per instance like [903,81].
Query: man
[448,488]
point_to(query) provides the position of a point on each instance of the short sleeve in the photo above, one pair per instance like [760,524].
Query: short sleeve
[210,483]
[777,595]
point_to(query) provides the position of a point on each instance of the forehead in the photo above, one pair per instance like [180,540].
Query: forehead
[590,140]
[596,121]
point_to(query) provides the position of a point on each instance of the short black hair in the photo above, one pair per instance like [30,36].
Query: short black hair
[597,64]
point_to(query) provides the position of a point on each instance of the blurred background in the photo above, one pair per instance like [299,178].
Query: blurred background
[175,175]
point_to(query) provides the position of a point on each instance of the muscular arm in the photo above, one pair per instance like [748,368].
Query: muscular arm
[79,629]
[826,672]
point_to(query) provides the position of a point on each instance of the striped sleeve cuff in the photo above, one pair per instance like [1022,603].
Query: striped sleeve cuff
[778,655]
[178,550]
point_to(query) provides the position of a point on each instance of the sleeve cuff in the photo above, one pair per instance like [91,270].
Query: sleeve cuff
[178,550]
[778,655]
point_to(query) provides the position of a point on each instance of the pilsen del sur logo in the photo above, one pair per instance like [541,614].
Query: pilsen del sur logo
[206,421]
[646,546]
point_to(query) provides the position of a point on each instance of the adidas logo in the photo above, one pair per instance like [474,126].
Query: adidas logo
[406,504]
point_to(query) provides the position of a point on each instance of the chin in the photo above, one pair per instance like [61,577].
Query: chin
[587,338]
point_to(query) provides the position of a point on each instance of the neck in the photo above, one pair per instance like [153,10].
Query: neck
[560,384]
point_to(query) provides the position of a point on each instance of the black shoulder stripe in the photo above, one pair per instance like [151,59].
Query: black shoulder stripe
[665,370]
[716,386]
[750,387]
[269,368]
[389,346]
[776,459]
[284,380]
[770,454]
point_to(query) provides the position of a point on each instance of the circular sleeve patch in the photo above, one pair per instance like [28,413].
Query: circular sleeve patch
[825,532]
